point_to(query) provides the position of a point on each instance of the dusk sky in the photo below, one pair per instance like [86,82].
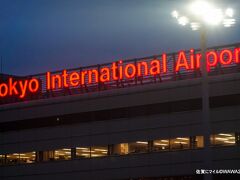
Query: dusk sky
[46,35]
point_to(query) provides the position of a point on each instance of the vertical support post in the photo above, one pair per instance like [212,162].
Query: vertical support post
[237,138]
[205,105]
[73,153]
[90,152]
[192,142]
[150,146]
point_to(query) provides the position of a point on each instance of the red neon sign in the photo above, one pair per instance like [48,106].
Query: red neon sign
[119,71]
[19,88]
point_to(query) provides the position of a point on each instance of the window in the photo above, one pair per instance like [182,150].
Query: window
[62,154]
[12,158]
[120,149]
[180,143]
[161,145]
[83,152]
[223,139]
[45,155]
[99,151]
[198,142]
[138,147]
[2,159]
[28,157]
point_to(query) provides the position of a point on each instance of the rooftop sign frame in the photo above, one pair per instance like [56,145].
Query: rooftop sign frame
[120,74]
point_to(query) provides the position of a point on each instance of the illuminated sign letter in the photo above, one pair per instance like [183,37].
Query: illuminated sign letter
[23,87]
[105,74]
[192,64]
[56,79]
[114,71]
[12,87]
[155,67]
[3,90]
[83,75]
[91,74]
[164,62]
[139,68]
[212,63]
[181,61]
[33,85]
[130,71]
[48,79]
[74,78]
[226,57]
[120,71]
[237,52]
[65,75]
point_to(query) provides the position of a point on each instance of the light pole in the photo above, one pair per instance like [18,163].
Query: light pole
[201,15]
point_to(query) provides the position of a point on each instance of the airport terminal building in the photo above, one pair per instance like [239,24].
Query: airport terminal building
[139,119]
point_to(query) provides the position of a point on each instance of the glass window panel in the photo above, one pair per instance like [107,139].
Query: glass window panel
[223,139]
[2,159]
[12,158]
[199,142]
[161,145]
[180,143]
[62,154]
[138,147]
[120,149]
[99,151]
[82,152]
[28,157]
[47,155]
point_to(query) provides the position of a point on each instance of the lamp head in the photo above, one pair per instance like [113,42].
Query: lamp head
[201,12]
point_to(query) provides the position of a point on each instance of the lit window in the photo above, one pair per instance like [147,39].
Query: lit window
[161,144]
[199,142]
[45,155]
[99,151]
[83,152]
[28,157]
[12,158]
[138,147]
[120,149]
[62,154]
[224,139]
[2,159]
[179,143]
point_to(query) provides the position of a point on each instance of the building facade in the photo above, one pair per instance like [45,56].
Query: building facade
[136,130]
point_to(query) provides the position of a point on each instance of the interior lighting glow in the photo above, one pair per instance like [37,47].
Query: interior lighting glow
[183,21]
[222,134]
[103,150]
[221,139]
[142,142]
[230,142]
[185,139]
[180,142]
[160,144]
[175,14]
[229,12]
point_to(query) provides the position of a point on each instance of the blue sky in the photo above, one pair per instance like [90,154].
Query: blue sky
[46,35]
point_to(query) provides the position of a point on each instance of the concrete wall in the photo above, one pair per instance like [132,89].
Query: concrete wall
[133,96]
